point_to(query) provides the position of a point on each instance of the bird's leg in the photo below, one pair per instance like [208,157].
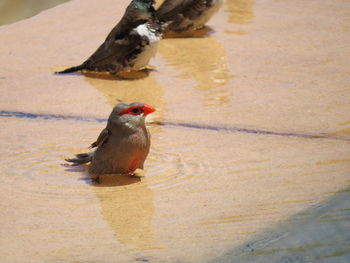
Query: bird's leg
[138,173]
[147,69]
[96,180]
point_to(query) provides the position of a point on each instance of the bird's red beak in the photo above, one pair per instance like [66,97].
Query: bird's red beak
[147,109]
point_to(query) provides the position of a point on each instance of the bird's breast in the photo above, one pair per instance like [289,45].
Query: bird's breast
[143,59]
[146,30]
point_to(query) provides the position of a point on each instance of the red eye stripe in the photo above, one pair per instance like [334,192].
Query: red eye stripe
[138,110]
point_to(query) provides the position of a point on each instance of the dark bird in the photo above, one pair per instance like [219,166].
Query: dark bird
[123,145]
[131,43]
[186,15]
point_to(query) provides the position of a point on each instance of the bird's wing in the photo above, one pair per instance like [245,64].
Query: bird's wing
[102,138]
[115,55]
[171,9]
[121,45]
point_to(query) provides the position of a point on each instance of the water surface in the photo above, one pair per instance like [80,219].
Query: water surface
[250,140]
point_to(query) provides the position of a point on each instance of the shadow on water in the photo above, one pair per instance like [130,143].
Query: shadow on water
[129,75]
[112,180]
[199,33]
[120,76]
[102,180]
[319,234]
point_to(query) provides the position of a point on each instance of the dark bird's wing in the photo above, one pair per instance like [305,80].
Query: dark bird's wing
[102,138]
[116,55]
[82,158]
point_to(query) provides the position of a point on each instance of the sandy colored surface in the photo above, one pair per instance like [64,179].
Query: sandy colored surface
[256,128]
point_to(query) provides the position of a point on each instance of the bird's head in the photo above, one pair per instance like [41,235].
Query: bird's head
[130,116]
[143,5]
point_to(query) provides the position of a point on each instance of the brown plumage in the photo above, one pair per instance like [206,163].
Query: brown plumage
[184,15]
[123,145]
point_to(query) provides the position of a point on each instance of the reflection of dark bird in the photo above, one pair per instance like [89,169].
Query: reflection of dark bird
[183,15]
[123,145]
[131,43]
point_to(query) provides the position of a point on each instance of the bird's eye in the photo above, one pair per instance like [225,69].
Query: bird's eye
[136,110]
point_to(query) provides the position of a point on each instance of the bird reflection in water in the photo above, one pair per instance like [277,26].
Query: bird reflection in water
[190,57]
[127,205]
[240,11]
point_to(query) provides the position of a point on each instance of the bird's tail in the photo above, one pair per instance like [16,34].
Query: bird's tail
[81,158]
[72,69]
[163,26]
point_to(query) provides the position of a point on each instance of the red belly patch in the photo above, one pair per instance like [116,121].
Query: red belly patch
[134,165]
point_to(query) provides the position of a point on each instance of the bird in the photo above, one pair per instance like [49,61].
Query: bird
[121,147]
[186,15]
[130,45]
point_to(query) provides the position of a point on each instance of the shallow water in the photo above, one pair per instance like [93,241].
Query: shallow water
[250,140]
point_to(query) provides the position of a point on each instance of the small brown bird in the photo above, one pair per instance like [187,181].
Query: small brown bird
[186,15]
[123,145]
[130,45]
